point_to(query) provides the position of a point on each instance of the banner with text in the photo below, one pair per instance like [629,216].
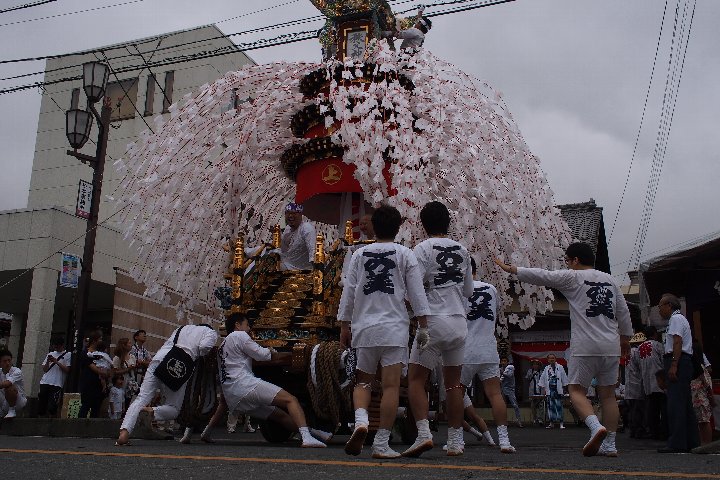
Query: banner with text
[84,199]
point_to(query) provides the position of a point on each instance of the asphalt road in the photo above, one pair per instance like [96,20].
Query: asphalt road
[542,454]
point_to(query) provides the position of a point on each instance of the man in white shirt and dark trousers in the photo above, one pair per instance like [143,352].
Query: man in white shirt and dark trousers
[600,331]
[682,423]
[196,341]
[375,321]
[55,367]
[12,390]
[447,276]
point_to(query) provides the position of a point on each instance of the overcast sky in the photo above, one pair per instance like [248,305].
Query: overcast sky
[574,74]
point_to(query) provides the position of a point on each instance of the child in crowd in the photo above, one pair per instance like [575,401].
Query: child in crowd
[375,321]
[116,399]
[447,276]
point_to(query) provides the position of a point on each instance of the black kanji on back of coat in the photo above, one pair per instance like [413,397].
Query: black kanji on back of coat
[448,265]
[480,305]
[379,276]
[601,299]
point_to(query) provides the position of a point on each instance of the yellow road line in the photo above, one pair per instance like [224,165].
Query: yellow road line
[340,463]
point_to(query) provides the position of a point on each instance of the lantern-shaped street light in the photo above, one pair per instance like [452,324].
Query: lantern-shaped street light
[95,78]
[77,127]
[78,124]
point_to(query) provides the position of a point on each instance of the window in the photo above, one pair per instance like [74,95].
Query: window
[123,96]
[150,95]
[169,82]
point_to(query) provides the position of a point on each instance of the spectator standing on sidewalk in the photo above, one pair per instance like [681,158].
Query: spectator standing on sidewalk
[141,354]
[535,393]
[651,360]
[634,391]
[553,382]
[55,367]
[682,423]
[91,384]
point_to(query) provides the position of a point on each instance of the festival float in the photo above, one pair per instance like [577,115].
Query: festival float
[370,124]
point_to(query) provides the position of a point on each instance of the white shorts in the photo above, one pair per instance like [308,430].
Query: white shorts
[482,370]
[447,341]
[369,357]
[466,400]
[605,370]
[258,403]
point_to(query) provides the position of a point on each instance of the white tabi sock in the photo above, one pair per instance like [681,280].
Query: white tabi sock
[488,437]
[308,440]
[361,417]
[592,422]
[503,437]
[423,427]
[610,440]
[320,434]
[382,437]
[474,431]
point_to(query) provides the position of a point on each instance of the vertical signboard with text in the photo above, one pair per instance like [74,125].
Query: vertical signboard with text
[84,199]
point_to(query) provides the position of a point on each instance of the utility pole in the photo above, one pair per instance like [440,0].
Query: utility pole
[79,123]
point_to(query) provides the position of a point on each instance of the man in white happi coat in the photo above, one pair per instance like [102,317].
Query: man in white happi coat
[297,244]
[600,331]
[197,341]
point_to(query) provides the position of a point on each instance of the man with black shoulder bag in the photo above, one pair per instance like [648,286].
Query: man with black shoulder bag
[169,372]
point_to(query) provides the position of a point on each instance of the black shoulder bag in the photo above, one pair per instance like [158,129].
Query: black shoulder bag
[176,368]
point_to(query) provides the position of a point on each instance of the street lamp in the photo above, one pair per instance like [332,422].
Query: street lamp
[78,124]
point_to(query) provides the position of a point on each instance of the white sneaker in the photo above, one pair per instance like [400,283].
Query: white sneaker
[384,452]
[231,430]
[11,413]
[420,446]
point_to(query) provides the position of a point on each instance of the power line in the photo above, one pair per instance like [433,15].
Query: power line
[672,85]
[70,13]
[283,39]
[642,120]
[26,5]
[691,241]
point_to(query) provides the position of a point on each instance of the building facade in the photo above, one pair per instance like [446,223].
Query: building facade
[150,75]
